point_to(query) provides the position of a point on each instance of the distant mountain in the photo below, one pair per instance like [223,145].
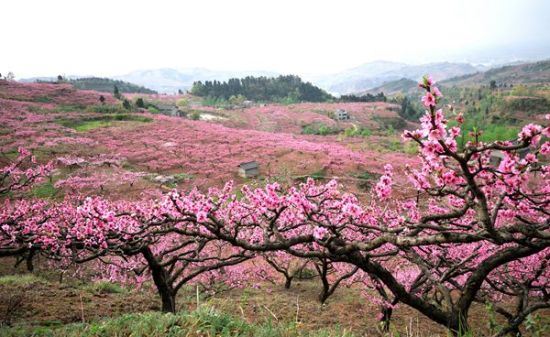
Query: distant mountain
[528,73]
[403,86]
[171,80]
[374,74]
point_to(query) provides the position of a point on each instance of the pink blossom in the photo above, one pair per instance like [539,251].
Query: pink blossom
[428,100]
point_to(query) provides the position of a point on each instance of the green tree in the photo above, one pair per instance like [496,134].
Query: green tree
[116,92]
[126,104]
[140,103]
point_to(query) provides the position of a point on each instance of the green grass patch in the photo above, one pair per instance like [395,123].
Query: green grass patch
[105,287]
[204,321]
[45,190]
[87,124]
[106,108]
[43,99]
[90,125]
[319,129]
[69,108]
[20,280]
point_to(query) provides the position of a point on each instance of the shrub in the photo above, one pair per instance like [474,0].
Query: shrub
[140,103]
[105,109]
[126,104]
[195,115]
[105,287]
[318,129]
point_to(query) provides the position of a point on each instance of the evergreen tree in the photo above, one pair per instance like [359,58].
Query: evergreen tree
[140,103]
[116,93]
[126,104]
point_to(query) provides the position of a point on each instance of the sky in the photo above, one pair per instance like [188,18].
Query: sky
[107,38]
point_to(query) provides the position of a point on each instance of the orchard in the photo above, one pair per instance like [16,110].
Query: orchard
[475,231]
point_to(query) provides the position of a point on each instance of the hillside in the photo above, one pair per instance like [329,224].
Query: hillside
[374,74]
[527,73]
[108,85]
[403,86]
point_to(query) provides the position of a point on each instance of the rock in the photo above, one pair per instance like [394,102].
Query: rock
[164,179]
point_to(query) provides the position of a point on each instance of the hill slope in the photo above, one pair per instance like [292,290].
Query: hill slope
[403,86]
[374,74]
[528,73]
[108,85]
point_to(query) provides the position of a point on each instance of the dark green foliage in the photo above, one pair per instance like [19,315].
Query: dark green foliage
[140,103]
[355,131]
[126,104]
[319,129]
[195,115]
[116,92]
[43,99]
[408,109]
[284,89]
[104,108]
[390,123]
[108,85]
[527,104]
[380,97]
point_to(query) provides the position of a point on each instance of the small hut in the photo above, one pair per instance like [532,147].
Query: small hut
[342,115]
[249,169]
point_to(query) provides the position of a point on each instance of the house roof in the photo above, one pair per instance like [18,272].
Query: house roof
[248,165]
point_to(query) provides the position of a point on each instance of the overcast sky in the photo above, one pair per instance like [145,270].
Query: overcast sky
[108,37]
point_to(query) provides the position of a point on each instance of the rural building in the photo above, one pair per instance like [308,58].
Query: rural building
[249,169]
[342,115]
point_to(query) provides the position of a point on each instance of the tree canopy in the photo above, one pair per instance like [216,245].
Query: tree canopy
[288,88]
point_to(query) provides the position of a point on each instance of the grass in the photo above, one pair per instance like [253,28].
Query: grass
[105,287]
[105,108]
[87,124]
[44,191]
[205,321]
[90,125]
[20,280]
[43,99]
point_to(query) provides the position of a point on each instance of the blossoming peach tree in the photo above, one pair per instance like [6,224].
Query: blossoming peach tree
[18,216]
[476,231]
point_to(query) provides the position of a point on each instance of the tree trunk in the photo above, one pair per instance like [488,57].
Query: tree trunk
[168,301]
[385,320]
[30,256]
[325,290]
[162,281]
[458,323]
[288,281]
[323,295]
